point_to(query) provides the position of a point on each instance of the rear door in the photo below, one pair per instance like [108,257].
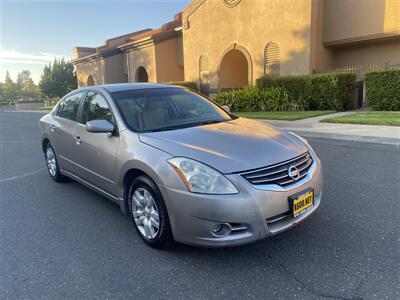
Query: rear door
[97,152]
[63,128]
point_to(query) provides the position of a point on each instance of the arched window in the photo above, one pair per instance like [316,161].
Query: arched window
[204,70]
[90,81]
[272,59]
[204,65]
[141,75]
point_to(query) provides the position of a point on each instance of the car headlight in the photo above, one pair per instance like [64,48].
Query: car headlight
[200,178]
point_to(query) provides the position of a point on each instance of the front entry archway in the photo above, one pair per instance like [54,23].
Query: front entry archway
[141,75]
[234,69]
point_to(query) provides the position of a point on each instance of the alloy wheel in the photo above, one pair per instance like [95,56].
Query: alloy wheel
[51,161]
[145,213]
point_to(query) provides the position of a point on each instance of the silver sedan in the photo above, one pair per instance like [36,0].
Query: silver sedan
[184,168]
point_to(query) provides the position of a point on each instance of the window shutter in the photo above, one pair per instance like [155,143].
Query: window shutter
[272,59]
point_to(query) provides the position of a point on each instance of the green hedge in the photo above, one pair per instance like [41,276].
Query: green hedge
[332,91]
[188,84]
[255,99]
[383,89]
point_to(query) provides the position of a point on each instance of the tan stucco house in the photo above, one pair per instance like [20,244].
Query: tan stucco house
[223,44]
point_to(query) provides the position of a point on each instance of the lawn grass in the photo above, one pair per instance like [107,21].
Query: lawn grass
[384,118]
[283,115]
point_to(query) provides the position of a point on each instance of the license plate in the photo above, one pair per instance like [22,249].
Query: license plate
[301,203]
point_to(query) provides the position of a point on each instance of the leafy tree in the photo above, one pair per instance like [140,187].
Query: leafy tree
[58,79]
[23,77]
[26,87]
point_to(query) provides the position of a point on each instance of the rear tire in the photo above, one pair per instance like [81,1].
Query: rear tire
[149,213]
[52,164]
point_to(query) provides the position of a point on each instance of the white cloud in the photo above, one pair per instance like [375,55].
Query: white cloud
[16,57]
[16,61]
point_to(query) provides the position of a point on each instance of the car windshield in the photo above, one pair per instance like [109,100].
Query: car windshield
[166,109]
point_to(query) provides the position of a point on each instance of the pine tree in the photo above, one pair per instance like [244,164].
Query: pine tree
[8,78]
[9,88]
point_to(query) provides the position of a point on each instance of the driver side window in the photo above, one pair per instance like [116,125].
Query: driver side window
[96,107]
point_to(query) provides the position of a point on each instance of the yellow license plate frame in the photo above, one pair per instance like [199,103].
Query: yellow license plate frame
[301,203]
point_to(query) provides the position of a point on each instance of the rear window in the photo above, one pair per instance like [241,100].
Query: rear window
[69,107]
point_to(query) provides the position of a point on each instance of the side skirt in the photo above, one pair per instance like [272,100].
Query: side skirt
[113,198]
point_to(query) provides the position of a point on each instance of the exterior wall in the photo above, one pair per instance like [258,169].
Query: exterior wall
[83,51]
[143,56]
[321,57]
[367,54]
[167,59]
[210,27]
[352,20]
[94,68]
[313,36]
[114,69]
[28,105]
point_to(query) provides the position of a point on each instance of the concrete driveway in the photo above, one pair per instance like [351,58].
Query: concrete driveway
[65,241]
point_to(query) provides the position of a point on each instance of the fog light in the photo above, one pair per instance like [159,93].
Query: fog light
[221,230]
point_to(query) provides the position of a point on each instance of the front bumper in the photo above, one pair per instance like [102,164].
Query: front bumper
[254,213]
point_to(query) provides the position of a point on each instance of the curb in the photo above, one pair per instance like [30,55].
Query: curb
[348,137]
[27,111]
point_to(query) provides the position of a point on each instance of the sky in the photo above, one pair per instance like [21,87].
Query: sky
[34,32]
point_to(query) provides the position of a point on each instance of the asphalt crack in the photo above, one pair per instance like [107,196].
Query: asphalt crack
[310,289]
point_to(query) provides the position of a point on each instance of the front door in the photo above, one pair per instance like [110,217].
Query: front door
[97,152]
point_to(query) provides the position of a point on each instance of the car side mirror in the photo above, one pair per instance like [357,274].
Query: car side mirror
[226,108]
[100,126]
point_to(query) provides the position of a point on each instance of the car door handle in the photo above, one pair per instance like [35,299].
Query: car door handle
[78,140]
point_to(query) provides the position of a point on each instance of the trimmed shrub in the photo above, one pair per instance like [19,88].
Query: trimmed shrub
[383,89]
[331,91]
[255,99]
[246,99]
[188,84]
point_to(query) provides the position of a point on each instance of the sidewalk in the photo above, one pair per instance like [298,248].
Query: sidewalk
[350,132]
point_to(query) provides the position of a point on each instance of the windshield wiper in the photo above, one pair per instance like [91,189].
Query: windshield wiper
[210,122]
[170,127]
[185,125]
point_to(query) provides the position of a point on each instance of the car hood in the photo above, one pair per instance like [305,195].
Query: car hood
[229,147]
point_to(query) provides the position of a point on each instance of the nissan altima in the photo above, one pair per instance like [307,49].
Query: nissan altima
[184,168]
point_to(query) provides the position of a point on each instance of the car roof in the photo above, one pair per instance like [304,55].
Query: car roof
[120,87]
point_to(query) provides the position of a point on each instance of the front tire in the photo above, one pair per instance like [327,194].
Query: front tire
[149,213]
[52,164]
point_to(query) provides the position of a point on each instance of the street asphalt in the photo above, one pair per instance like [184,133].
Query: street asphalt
[65,241]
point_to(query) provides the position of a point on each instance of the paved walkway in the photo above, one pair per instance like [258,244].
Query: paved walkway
[363,133]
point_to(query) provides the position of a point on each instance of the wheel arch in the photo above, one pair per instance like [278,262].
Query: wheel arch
[131,171]
[45,142]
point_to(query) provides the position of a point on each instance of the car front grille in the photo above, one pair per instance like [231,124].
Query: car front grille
[279,173]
